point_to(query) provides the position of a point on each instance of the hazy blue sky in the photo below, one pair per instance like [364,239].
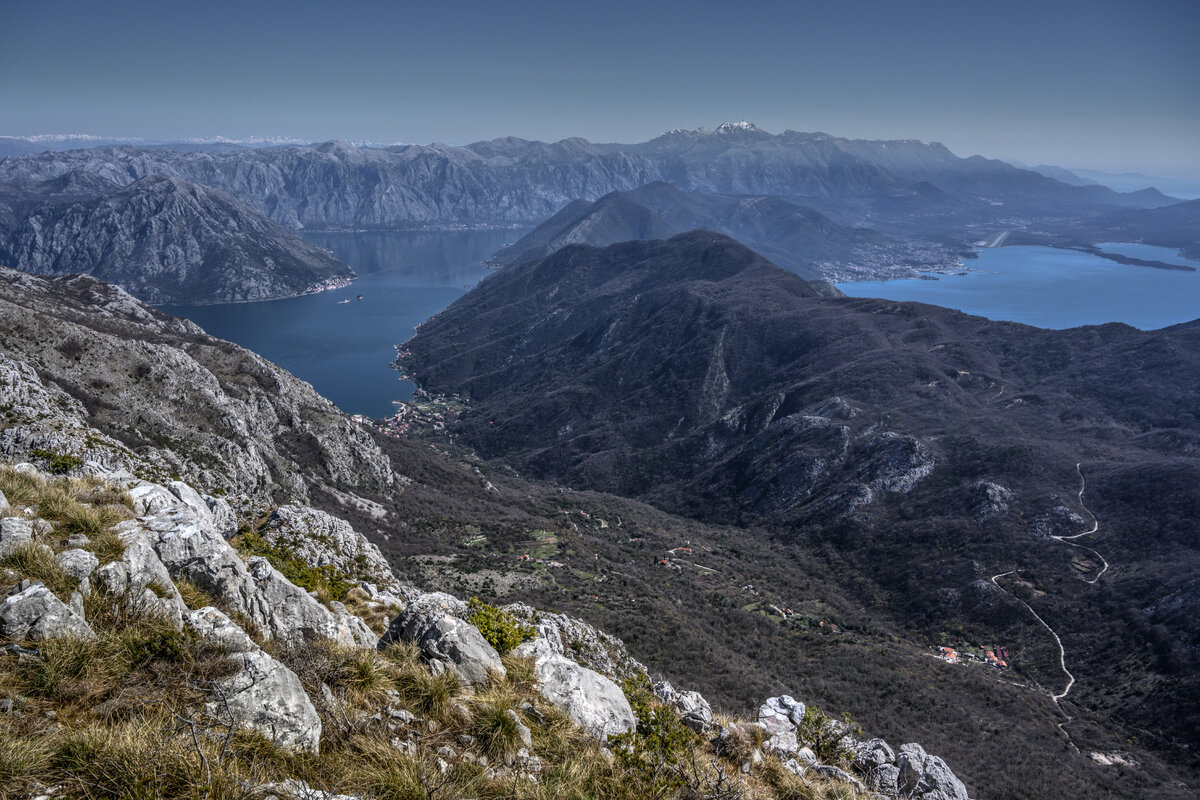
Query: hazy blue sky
[1095,83]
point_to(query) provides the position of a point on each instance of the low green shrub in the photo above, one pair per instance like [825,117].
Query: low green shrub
[656,753]
[502,630]
[327,581]
[825,735]
[58,463]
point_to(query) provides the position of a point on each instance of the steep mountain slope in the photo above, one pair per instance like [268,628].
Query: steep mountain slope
[513,180]
[795,237]
[213,412]
[160,388]
[870,435]
[165,240]
[1175,225]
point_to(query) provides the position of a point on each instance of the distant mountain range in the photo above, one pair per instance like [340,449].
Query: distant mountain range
[165,240]
[820,205]
[506,181]
[23,145]
[794,237]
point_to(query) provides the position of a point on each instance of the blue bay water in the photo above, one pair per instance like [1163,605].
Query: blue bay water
[344,349]
[1053,288]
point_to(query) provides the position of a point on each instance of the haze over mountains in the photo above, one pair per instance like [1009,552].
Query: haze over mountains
[792,236]
[518,181]
[820,205]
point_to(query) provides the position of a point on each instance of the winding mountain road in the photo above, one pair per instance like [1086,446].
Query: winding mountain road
[1095,527]
[1062,653]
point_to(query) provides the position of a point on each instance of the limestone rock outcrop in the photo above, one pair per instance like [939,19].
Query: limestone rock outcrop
[35,613]
[593,701]
[436,623]
[261,693]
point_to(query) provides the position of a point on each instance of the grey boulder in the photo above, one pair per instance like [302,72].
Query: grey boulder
[694,711]
[873,754]
[592,700]
[261,694]
[77,563]
[884,779]
[35,613]
[14,532]
[435,623]
[150,498]
[925,776]
[780,714]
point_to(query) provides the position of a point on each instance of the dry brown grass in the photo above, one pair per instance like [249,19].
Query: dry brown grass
[35,561]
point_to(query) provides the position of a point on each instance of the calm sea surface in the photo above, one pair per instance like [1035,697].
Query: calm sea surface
[1054,288]
[343,349]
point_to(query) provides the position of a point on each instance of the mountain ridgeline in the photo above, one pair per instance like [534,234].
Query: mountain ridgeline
[518,181]
[794,237]
[866,435]
[165,240]
[193,225]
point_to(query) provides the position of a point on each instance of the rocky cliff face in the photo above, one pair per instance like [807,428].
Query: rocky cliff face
[79,354]
[165,240]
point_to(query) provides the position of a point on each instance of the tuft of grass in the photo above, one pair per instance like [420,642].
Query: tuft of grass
[364,676]
[381,773]
[22,759]
[104,495]
[193,596]
[19,488]
[107,546]
[402,655]
[70,668]
[35,561]
[492,723]
[377,617]
[426,694]
[520,673]
[91,521]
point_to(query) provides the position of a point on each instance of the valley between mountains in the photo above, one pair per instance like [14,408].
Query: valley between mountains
[657,423]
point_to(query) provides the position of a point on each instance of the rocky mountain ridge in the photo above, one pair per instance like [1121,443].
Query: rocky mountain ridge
[257,623]
[80,356]
[510,180]
[165,240]
[692,374]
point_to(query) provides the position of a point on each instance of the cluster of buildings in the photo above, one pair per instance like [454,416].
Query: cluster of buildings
[997,656]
